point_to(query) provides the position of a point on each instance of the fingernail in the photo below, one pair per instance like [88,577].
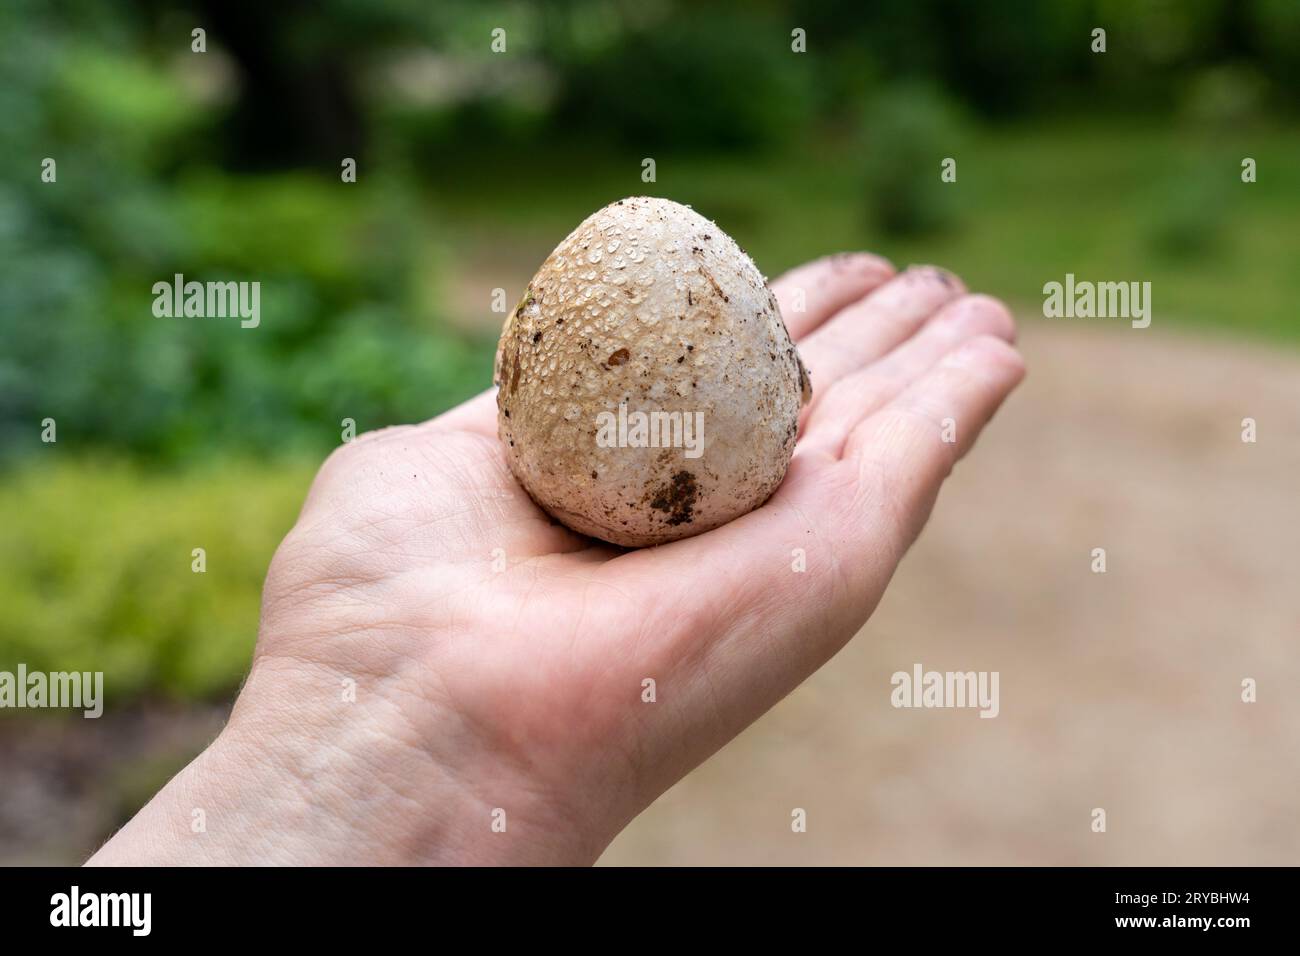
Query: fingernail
[861,260]
[937,273]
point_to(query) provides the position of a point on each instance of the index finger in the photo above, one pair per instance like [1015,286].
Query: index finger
[813,292]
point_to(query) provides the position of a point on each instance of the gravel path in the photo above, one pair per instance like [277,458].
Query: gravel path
[1119,691]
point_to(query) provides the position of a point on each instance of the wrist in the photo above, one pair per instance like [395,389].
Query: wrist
[340,785]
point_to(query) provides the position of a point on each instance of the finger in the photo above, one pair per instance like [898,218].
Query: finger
[851,399]
[903,453]
[872,326]
[478,414]
[791,581]
[811,293]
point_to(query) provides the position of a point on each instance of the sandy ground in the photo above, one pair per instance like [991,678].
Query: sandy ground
[1119,691]
[67,784]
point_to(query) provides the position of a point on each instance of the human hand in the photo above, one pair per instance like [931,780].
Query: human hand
[498,658]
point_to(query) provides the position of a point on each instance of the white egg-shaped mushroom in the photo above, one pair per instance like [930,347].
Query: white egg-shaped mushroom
[648,388]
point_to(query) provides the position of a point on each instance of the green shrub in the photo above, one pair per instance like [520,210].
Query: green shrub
[95,570]
[343,269]
[1191,210]
[909,131]
[698,81]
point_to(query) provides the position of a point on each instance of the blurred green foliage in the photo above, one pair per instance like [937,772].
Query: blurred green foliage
[1192,212]
[909,132]
[376,295]
[710,80]
[97,558]
[344,331]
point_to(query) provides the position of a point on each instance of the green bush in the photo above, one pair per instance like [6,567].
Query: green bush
[909,131]
[1191,214]
[95,570]
[347,326]
[698,81]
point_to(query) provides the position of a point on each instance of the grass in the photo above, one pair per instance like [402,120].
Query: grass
[1135,203]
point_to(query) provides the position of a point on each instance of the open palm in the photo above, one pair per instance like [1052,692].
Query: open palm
[506,669]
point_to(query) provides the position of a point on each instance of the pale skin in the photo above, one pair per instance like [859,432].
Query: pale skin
[508,686]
